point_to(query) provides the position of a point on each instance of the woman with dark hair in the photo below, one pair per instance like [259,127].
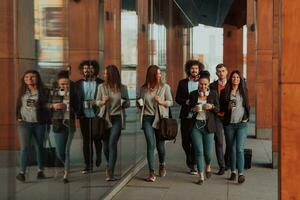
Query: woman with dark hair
[33,116]
[204,103]
[235,105]
[155,100]
[112,98]
[63,119]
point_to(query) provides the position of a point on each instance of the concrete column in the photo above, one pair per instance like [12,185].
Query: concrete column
[275,101]
[264,72]
[143,48]
[174,56]
[8,76]
[83,33]
[233,48]
[251,52]
[112,32]
[289,95]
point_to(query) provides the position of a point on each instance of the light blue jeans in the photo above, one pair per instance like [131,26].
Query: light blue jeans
[203,143]
[110,144]
[236,135]
[151,135]
[63,144]
[27,131]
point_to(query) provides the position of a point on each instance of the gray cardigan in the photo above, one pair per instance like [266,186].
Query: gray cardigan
[104,91]
[165,94]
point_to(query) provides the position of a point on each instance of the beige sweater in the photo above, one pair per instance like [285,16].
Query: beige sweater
[105,110]
[165,94]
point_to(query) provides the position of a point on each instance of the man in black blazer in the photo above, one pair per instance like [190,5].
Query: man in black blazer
[218,86]
[86,111]
[185,87]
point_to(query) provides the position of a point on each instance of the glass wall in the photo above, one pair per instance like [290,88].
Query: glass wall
[65,42]
[129,60]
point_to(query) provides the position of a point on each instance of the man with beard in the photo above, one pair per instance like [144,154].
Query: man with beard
[185,87]
[86,90]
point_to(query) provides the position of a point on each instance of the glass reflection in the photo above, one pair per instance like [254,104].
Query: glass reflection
[86,92]
[129,62]
[33,116]
[158,46]
[112,99]
[63,118]
[45,48]
[50,32]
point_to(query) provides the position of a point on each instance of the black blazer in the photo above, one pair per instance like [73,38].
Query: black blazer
[212,98]
[182,95]
[214,85]
[224,102]
[79,94]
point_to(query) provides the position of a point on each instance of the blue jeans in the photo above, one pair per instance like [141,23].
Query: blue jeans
[151,136]
[110,144]
[27,131]
[236,135]
[63,144]
[203,143]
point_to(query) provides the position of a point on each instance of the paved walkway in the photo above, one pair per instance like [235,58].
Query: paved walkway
[261,180]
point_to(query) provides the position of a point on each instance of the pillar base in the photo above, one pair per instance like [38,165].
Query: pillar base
[275,160]
[264,133]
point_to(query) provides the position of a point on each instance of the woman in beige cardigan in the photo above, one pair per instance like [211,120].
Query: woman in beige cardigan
[112,98]
[154,94]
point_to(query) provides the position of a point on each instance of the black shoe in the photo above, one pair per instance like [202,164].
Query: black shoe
[21,177]
[98,163]
[40,175]
[221,171]
[241,179]
[87,170]
[200,182]
[208,174]
[65,180]
[193,172]
[232,176]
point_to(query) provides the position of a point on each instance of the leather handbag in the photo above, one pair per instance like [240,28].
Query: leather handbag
[99,127]
[50,158]
[99,124]
[168,127]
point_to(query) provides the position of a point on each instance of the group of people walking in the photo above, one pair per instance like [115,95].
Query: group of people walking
[209,111]
[86,99]
[206,110]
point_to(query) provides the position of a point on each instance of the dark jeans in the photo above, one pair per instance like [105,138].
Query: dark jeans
[110,144]
[88,140]
[27,131]
[151,136]
[63,142]
[219,143]
[186,128]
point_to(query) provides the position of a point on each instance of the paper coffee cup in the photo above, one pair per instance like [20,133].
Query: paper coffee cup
[140,102]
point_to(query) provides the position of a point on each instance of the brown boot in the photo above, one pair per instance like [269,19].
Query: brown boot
[109,175]
[201,178]
[151,177]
